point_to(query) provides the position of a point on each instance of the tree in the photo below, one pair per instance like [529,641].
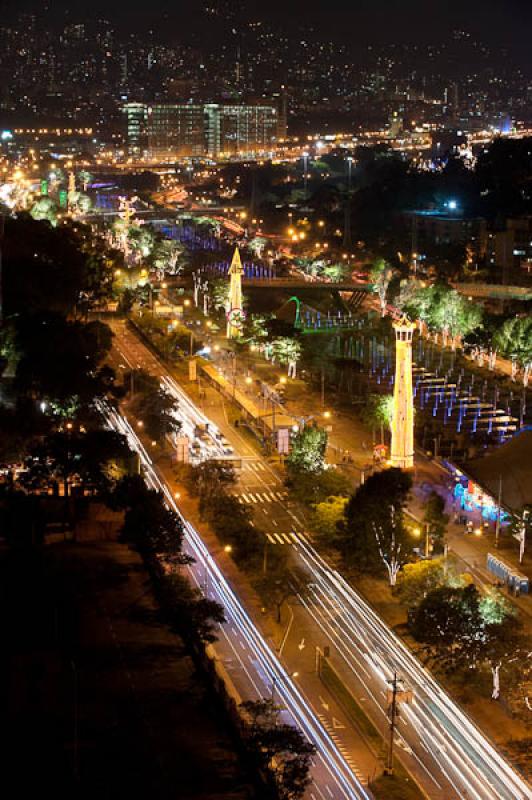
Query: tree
[281,748]
[156,410]
[280,582]
[44,269]
[418,579]
[416,300]
[501,644]
[286,350]
[59,362]
[450,621]
[211,477]
[140,381]
[158,533]
[255,330]
[518,693]
[312,488]
[441,308]
[327,515]
[381,275]
[514,339]
[188,612]
[455,313]
[141,239]
[436,519]
[378,412]
[392,542]
[307,452]
[373,521]
[165,256]
[45,209]
[219,290]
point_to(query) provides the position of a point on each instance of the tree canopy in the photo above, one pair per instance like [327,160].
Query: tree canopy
[376,506]
[307,452]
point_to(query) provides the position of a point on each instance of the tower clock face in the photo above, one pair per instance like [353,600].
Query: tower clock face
[236,317]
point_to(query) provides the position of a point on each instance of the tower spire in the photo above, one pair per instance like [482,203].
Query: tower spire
[235,313]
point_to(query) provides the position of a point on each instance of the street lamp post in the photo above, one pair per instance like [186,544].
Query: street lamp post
[305,175]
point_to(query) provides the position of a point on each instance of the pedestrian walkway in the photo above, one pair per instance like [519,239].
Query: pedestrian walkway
[247,498]
[254,466]
[291,538]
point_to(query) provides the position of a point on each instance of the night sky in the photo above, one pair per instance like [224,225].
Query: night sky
[505,22]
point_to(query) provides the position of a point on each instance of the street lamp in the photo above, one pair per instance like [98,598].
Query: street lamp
[417,534]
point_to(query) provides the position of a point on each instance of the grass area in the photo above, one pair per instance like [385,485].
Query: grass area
[100,689]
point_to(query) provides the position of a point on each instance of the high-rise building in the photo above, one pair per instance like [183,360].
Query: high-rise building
[172,130]
[136,115]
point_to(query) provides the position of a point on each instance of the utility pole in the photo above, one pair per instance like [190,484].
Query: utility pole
[393,716]
[498,523]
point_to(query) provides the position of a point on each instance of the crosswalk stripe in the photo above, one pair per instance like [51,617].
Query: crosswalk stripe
[291,538]
[261,497]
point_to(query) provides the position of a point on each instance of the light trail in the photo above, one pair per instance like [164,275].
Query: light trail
[332,762]
[465,756]
[444,738]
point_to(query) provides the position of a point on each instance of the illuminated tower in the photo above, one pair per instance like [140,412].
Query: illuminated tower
[71,188]
[235,313]
[402,454]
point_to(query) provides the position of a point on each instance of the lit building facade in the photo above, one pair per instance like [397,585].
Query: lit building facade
[167,131]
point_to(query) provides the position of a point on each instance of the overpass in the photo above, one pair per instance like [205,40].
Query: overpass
[301,283]
[495,291]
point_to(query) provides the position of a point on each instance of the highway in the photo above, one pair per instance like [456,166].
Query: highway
[437,742]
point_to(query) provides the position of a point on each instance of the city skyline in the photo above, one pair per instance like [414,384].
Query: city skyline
[495,21]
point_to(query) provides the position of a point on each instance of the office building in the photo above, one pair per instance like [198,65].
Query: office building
[167,131]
